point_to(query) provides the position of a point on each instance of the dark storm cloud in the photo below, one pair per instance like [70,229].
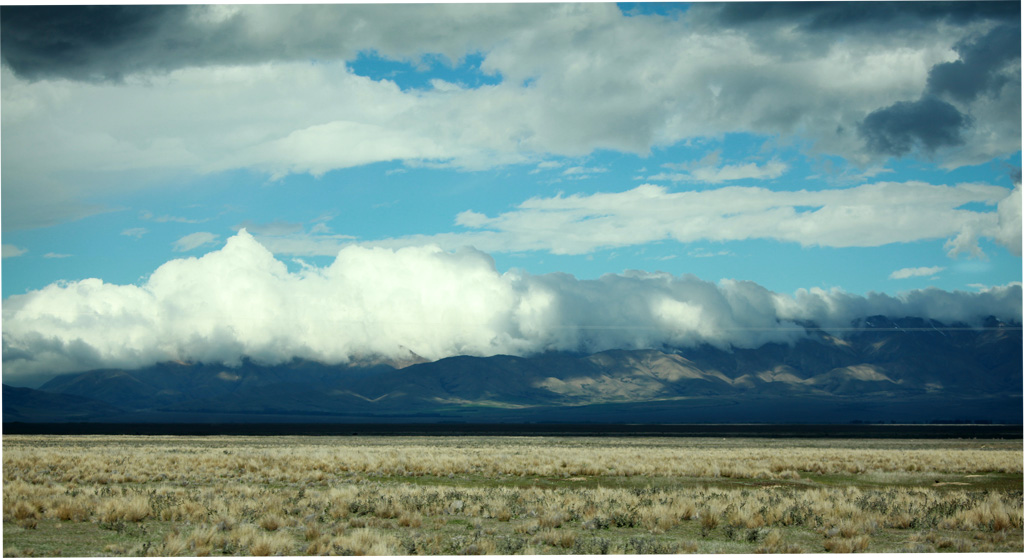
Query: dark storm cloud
[82,42]
[978,69]
[929,123]
[877,17]
[98,43]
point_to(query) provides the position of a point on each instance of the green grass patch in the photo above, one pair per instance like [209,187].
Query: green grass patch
[51,537]
[935,481]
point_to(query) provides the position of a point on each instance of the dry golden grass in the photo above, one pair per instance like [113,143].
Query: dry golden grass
[259,460]
[267,496]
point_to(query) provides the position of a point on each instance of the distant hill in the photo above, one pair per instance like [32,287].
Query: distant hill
[902,370]
[31,405]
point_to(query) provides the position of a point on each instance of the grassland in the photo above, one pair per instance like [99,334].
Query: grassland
[198,496]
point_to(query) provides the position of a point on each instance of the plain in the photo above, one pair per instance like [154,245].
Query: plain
[210,495]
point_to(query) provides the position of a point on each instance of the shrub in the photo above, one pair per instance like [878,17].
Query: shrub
[70,509]
[709,519]
[22,510]
[555,537]
[772,544]
[410,520]
[277,544]
[365,542]
[271,522]
[204,539]
[527,527]
[553,519]
[855,544]
[133,509]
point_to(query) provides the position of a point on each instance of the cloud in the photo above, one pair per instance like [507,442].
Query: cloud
[582,170]
[829,308]
[867,215]
[111,42]
[240,301]
[981,67]
[830,17]
[701,253]
[193,241]
[170,218]
[908,272]
[726,173]
[846,176]
[96,43]
[239,90]
[312,243]
[1008,229]
[770,170]
[546,165]
[989,67]
[276,228]
[11,251]
[136,232]
[293,239]
[69,40]
[56,255]
[928,123]
[47,205]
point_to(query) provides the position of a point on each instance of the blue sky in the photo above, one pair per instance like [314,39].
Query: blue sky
[387,200]
[793,146]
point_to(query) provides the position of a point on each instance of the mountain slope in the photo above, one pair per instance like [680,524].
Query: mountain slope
[883,364]
[32,405]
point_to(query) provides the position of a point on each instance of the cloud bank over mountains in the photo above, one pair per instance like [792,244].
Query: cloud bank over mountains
[272,89]
[400,142]
[239,301]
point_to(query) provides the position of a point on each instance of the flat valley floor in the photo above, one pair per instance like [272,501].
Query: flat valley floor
[443,495]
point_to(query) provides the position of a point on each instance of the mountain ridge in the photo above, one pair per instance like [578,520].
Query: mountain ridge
[883,363]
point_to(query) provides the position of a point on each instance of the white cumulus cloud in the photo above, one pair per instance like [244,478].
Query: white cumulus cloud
[375,302]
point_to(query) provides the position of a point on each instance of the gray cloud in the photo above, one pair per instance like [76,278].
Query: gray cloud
[986,64]
[109,42]
[268,88]
[876,18]
[928,123]
[240,301]
[82,42]
[979,69]
[12,251]
[27,207]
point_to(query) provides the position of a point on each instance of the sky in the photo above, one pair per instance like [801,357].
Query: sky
[338,182]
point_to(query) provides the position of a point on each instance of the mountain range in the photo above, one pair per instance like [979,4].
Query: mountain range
[881,370]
